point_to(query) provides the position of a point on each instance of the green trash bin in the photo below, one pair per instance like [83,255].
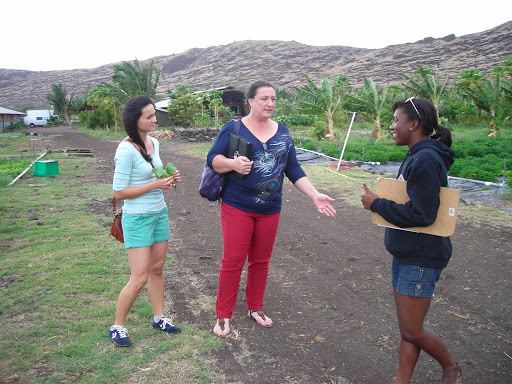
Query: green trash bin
[46,168]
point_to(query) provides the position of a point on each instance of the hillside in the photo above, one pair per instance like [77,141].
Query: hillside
[282,63]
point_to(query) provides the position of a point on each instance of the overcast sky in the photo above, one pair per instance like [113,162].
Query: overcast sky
[44,35]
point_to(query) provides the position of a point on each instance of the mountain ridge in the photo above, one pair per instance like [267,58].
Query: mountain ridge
[284,64]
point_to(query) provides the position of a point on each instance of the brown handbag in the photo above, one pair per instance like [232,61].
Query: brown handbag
[116,229]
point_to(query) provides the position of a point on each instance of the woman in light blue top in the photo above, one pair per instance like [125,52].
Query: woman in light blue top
[145,219]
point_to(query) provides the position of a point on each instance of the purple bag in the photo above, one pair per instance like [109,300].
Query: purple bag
[212,183]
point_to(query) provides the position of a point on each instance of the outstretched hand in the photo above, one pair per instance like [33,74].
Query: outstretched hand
[367,197]
[322,203]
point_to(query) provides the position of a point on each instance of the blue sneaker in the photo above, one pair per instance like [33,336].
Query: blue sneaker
[165,325]
[119,336]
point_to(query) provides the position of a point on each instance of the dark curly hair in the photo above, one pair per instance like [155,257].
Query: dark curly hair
[131,114]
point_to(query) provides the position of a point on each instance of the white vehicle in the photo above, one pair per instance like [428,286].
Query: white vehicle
[37,117]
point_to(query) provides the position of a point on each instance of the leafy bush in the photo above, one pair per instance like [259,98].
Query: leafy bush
[202,120]
[318,131]
[485,168]
[225,114]
[54,121]
[182,110]
[285,107]
[84,118]
[19,126]
[309,144]
[376,155]
[331,150]
[397,154]
[481,159]
[296,119]
[499,146]
[10,168]
[91,119]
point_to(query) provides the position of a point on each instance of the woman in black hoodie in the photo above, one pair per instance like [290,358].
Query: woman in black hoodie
[418,259]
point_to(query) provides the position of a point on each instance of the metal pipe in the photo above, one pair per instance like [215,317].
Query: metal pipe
[488,183]
[25,171]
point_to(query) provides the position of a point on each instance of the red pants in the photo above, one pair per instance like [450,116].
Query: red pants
[249,236]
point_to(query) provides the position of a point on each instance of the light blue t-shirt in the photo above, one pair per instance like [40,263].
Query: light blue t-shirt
[132,170]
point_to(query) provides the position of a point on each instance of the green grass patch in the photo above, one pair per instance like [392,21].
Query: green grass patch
[103,134]
[60,275]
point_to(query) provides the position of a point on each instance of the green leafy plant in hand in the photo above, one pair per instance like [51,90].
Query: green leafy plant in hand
[162,173]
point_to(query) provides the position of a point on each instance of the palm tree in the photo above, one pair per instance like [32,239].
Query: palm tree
[132,80]
[469,79]
[60,101]
[324,99]
[370,102]
[489,96]
[423,83]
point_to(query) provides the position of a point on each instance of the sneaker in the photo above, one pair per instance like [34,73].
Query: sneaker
[119,336]
[165,325]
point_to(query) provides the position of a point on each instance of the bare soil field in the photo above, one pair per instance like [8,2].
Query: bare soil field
[329,290]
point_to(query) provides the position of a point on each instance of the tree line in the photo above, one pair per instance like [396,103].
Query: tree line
[472,97]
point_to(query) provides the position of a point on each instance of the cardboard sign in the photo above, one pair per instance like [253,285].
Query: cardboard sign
[395,190]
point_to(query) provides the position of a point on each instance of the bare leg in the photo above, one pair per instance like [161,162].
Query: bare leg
[411,313]
[156,279]
[139,259]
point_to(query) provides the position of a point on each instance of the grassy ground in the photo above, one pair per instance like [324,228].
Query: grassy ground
[59,291]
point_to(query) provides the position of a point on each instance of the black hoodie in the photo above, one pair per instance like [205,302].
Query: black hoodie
[425,169]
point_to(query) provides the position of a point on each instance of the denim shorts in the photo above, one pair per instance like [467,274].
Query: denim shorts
[412,280]
[144,230]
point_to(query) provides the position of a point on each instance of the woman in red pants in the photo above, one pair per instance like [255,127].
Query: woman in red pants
[251,205]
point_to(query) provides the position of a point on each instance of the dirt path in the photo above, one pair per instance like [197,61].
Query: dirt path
[328,291]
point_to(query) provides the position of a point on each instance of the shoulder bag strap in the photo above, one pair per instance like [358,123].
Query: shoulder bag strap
[236,130]
[141,150]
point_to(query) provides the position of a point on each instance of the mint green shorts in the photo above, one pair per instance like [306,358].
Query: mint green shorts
[144,230]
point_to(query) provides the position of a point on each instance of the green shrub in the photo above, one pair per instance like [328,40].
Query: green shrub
[10,168]
[225,114]
[203,120]
[348,155]
[397,154]
[182,110]
[376,155]
[499,146]
[475,173]
[296,120]
[318,131]
[19,126]
[84,118]
[331,150]
[486,168]
[308,144]
[54,121]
